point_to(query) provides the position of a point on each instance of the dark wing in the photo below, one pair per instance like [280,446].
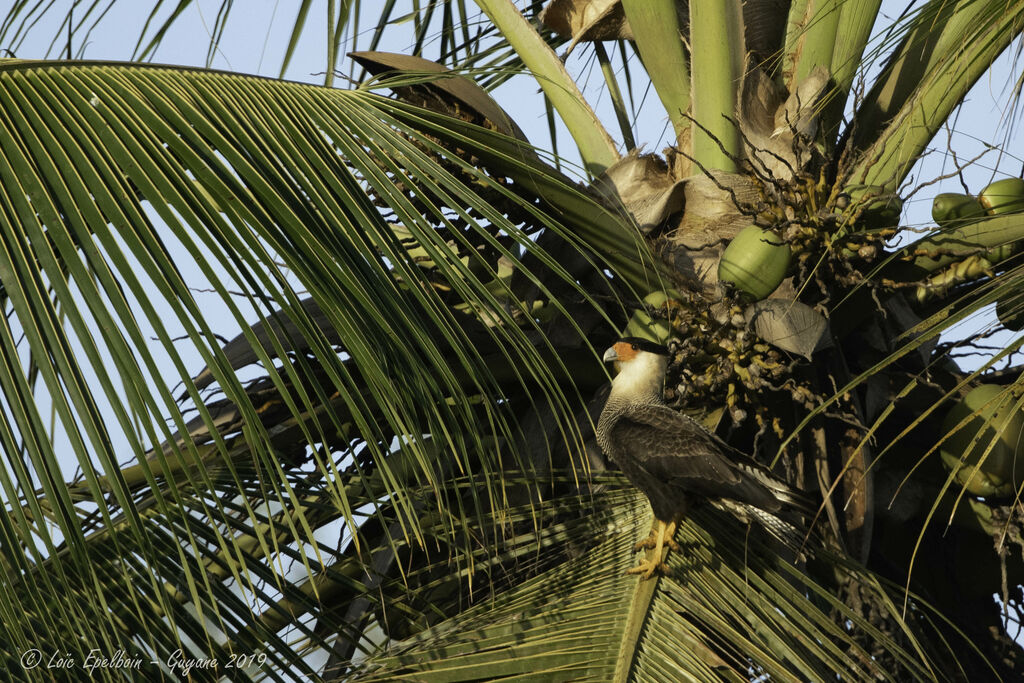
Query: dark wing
[677,450]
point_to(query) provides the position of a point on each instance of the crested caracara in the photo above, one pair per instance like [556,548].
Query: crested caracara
[674,460]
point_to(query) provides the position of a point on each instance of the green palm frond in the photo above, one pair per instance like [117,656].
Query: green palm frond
[731,609]
[125,190]
[945,50]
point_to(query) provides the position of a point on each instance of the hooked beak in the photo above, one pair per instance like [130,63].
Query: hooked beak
[610,355]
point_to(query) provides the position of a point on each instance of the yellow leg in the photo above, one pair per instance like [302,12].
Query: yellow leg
[662,535]
[651,540]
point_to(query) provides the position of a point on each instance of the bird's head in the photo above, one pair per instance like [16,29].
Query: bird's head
[641,364]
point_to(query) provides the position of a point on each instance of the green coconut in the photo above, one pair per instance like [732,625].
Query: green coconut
[755,262]
[1003,197]
[642,325]
[661,297]
[950,209]
[883,212]
[996,422]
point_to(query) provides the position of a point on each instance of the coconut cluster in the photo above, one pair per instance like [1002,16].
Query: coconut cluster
[718,360]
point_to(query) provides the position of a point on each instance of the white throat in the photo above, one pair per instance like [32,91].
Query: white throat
[642,379]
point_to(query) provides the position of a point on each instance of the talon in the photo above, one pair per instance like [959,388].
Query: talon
[650,543]
[648,568]
[646,544]
[660,538]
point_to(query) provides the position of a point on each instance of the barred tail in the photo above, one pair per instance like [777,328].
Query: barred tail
[787,533]
[791,499]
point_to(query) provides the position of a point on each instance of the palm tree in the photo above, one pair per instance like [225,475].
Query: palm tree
[390,472]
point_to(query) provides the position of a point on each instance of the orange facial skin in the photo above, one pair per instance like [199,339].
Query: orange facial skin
[625,351]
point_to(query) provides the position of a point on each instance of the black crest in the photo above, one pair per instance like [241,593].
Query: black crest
[644,345]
